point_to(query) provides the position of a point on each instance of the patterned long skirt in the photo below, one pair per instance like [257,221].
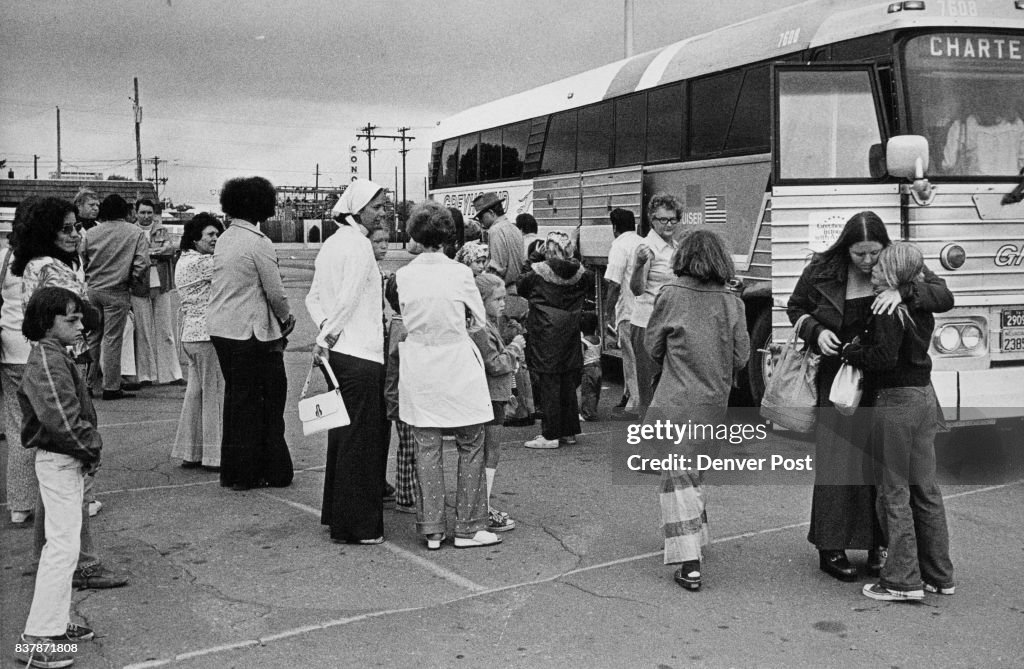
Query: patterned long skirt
[684,522]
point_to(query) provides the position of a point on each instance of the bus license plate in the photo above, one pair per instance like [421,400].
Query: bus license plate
[1012,318]
[1013,340]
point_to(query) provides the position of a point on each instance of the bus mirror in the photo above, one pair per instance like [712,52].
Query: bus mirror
[876,161]
[906,156]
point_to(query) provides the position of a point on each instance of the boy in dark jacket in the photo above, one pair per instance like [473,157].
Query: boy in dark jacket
[60,422]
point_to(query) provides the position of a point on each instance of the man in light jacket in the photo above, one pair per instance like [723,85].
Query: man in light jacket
[115,255]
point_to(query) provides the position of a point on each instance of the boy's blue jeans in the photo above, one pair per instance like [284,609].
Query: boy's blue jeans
[909,503]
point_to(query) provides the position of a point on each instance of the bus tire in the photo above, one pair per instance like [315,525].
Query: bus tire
[760,356]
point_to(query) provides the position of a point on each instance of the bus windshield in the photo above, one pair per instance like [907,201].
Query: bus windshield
[966,98]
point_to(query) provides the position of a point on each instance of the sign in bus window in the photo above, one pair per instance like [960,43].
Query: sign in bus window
[966,99]
[828,125]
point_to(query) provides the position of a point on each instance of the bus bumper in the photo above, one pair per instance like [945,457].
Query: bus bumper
[980,396]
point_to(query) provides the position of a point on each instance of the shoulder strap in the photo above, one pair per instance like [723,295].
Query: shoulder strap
[309,375]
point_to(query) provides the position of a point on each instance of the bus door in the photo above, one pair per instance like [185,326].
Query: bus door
[828,134]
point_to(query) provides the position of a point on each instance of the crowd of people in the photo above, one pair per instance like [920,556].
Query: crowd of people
[503,324]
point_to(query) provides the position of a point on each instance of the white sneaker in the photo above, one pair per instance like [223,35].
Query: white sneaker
[19,517]
[94,507]
[481,538]
[540,442]
[929,587]
[880,592]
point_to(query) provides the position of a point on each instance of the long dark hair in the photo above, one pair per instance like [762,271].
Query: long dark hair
[38,236]
[865,226]
[21,213]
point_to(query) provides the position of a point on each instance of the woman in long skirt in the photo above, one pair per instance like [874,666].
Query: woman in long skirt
[345,301]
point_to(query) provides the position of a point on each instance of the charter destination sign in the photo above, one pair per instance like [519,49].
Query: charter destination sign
[970,47]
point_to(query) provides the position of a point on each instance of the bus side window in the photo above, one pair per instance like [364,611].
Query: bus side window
[560,147]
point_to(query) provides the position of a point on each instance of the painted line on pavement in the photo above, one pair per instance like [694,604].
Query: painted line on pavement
[298,631]
[139,422]
[192,484]
[429,565]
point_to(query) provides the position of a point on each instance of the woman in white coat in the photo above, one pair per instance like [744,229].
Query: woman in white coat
[442,383]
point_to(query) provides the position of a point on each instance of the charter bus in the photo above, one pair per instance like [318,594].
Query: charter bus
[773,132]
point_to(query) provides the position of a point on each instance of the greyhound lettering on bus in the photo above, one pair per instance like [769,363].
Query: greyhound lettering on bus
[1009,255]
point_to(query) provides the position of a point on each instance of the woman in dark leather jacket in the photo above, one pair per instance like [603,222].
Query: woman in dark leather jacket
[835,290]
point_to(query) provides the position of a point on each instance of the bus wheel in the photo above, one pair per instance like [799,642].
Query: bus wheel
[759,367]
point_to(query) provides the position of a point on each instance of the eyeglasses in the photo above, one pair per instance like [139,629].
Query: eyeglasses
[74,227]
[664,221]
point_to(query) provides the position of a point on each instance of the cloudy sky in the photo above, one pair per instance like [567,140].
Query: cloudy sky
[273,88]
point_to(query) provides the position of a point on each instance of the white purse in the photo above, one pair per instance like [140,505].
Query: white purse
[325,411]
[847,388]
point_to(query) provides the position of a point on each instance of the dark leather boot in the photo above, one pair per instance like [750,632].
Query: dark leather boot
[876,560]
[835,564]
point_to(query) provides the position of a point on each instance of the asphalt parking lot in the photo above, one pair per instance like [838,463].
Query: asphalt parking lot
[250,579]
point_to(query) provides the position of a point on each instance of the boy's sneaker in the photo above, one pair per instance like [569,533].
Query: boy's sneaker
[929,587]
[499,521]
[97,577]
[540,442]
[74,633]
[41,651]
[882,593]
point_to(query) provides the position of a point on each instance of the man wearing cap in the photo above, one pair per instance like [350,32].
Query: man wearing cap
[504,240]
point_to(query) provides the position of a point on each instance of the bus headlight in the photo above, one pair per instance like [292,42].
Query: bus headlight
[970,337]
[963,338]
[947,339]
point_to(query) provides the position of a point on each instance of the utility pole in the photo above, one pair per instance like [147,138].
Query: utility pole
[156,176]
[368,130]
[58,142]
[404,151]
[35,166]
[368,134]
[137,108]
[316,184]
[628,28]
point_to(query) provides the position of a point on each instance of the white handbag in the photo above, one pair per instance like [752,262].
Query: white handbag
[847,388]
[325,411]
